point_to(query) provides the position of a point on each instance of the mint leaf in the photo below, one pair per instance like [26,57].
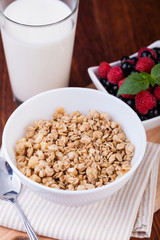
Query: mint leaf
[135,83]
[149,78]
[155,73]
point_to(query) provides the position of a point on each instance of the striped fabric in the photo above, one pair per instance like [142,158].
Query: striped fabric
[128,212]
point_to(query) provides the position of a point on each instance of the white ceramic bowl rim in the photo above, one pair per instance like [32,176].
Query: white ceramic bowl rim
[59,191]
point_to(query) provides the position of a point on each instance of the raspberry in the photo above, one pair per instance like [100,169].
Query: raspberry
[103,69]
[156,92]
[145,64]
[154,54]
[120,82]
[144,101]
[115,74]
[128,96]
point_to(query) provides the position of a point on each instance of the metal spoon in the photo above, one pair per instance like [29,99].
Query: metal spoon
[10,187]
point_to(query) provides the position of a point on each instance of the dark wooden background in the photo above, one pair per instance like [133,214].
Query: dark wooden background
[106,30]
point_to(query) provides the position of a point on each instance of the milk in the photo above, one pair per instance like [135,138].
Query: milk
[38,57]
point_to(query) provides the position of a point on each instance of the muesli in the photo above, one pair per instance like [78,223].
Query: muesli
[74,151]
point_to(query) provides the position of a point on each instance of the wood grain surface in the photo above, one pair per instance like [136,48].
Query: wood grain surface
[106,30]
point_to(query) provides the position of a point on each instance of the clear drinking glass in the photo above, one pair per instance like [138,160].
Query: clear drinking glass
[38,52]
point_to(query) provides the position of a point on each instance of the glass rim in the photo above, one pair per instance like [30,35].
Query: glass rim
[43,25]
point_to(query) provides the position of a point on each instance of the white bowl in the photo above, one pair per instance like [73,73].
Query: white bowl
[42,106]
[93,73]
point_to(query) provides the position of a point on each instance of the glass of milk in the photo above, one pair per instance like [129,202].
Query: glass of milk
[38,39]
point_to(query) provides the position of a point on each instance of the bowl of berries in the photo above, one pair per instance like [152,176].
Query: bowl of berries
[135,80]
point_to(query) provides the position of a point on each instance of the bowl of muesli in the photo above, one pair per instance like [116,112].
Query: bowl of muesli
[74,146]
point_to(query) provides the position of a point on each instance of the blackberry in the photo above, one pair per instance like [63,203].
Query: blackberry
[134,71]
[153,113]
[156,112]
[157,61]
[113,90]
[157,50]
[158,105]
[126,67]
[134,59]
[103,81]
[124,58]
[108,85]
[131,103]
[146,54]
[150,114]
[143,117]
[121,98]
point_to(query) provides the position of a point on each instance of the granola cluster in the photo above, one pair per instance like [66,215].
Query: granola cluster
[74,152]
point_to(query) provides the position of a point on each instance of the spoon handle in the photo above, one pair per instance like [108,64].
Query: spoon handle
[29,229]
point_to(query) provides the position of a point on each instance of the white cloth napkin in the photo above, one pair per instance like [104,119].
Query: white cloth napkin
[129,212]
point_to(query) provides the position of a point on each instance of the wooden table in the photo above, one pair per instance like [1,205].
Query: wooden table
[106,30]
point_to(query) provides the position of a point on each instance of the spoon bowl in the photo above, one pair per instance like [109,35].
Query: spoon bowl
[10,188]
[10,185]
